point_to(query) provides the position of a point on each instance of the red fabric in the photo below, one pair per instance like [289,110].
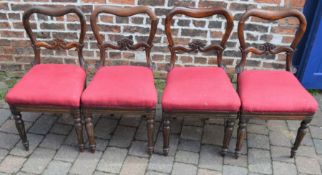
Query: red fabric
[199,89]
[275,92]
[121,87]
[49,85]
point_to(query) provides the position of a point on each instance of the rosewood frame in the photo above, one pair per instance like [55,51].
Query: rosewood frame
[269,48]
[125,43]
[54,44]
[198,45]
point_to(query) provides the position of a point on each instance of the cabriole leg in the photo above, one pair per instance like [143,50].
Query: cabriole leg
[79,129]
[229,127]
[300,135]
[166,133]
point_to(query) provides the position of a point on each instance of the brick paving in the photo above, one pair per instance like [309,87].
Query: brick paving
[121,149]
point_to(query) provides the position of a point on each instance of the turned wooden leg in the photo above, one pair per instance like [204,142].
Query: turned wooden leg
[90,131]
[166,133]
[240,136]
[79,129]
[21,129]
[229,128]
[300,135]
[150,132]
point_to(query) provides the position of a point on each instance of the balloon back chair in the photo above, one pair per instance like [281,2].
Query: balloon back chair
[122,89]
[200,92]
[272,94]
[53,88]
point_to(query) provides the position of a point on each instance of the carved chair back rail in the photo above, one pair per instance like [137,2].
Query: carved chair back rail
[269,48]
[198,45]
[57,43]
[125,43]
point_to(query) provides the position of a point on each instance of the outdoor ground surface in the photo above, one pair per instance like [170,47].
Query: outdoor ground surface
[121,145]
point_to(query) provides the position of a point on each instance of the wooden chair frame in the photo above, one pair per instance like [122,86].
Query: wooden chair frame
[125,43]
[54,44]
[196,46]
[269,48]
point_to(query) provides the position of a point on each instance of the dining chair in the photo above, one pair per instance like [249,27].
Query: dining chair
[272,94]
[199,92]
[122,89]
[55,88]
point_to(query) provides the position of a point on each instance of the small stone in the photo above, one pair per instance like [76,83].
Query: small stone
[210,158]
[187,157]
[259,161]
[122,137]
[281,168]
[112,160]
[134,166]
[86,163]
[186,169]
[57,167]
[307,165]
[11,164]
[234,170]
[191,132]
[38,161]
[161,163]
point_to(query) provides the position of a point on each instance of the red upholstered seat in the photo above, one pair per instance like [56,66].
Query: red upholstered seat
[273,92]
[49,85]
[199,89]
[121,87]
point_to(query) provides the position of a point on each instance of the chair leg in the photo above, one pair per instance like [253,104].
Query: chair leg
[229,127]
[90,131]
[300,135]
[21,128]
[150,132]
[79,129]
[240,136]
[166,133]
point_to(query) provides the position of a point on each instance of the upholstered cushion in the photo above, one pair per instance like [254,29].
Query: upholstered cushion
[121,87]
[271,91]
[199,89]
[49,85]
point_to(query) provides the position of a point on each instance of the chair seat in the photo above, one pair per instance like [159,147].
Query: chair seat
[199,89]
[121,87]
[268,91]
[49,85]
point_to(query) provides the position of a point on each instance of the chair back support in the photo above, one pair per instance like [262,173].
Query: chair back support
[57,43]
[269,48]
[126,43]
[198,45]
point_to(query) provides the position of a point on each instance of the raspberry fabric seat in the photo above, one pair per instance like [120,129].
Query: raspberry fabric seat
[272,91]
[121,87]
[199,89]
[49,85]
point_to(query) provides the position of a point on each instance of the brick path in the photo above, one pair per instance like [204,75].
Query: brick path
[195,147]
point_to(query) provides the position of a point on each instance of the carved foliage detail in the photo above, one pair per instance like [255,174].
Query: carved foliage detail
[59,44]
[197,45]
[125,43]
[267,47]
